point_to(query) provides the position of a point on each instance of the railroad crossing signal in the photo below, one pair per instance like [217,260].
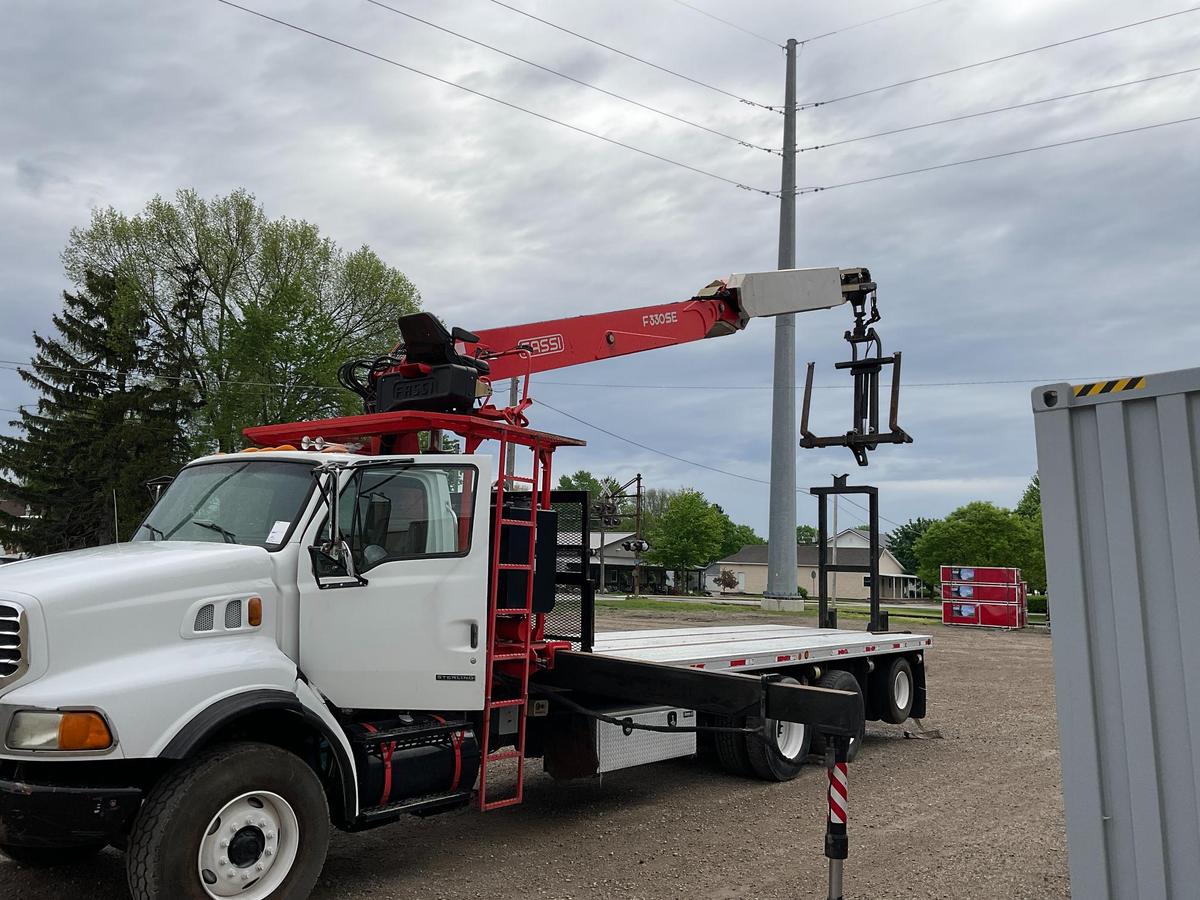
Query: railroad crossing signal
[635,546]
[608,512]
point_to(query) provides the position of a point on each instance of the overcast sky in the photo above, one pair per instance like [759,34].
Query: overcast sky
[1062,264]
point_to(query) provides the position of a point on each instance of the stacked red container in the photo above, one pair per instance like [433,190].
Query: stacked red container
[989,596]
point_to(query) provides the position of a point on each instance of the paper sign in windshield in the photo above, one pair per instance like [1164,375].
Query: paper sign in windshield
[278,532]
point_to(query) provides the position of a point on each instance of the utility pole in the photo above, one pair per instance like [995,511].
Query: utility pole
[510,461]
[781,536]
[637,536]
[833,557]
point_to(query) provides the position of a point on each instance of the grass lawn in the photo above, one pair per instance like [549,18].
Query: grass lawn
[895,613]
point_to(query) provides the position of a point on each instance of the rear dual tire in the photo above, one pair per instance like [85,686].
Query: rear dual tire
[775,754]
[899,690]
[838,680]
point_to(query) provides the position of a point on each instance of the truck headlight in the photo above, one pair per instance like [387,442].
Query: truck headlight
[38,730]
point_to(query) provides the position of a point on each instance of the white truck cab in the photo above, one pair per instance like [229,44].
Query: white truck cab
[232,613]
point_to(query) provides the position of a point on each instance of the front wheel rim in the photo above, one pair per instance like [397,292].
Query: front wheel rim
[249,847]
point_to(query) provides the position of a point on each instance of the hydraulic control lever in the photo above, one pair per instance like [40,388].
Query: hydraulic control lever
[865,364]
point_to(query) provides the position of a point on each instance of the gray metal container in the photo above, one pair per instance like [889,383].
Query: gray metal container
[1120,471]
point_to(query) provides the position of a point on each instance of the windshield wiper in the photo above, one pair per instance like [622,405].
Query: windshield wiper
[158,533]
[229,536]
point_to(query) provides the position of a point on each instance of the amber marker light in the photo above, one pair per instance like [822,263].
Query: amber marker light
[255,612]
[83,731]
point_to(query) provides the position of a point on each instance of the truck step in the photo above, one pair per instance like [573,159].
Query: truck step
[504,704]
[501,755]
[418,806]
[500,804]
[422,732]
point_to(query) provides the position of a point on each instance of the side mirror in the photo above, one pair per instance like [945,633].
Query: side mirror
[333,561]
[156,486]
[346,558]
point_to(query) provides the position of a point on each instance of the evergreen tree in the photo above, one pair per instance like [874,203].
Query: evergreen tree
[110,416]
[902,542]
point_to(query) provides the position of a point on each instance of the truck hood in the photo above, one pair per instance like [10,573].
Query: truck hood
[102,602]
[88,577]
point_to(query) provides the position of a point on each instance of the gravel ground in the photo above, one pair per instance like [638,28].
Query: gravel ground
[976,814]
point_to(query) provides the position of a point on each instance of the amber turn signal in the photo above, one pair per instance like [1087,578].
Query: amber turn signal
[83,731]
[255,612]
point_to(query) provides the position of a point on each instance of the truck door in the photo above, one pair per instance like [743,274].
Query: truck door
[410,631]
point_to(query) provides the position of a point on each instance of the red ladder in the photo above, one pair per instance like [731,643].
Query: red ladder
[510,632]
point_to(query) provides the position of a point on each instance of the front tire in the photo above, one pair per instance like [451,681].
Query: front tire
[50,857]
[242,820]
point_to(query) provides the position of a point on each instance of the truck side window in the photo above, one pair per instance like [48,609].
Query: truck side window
[409,512]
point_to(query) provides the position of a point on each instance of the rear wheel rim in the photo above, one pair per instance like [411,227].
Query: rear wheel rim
[789,738]
[901,689]
[249,847]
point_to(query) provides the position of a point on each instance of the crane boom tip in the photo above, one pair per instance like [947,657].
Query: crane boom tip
[796,290]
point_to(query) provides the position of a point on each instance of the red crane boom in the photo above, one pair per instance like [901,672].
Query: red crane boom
[558,343]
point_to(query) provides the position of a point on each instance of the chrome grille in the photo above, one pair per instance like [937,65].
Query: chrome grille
[13,639]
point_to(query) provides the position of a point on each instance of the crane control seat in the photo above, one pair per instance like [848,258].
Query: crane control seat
[434,376]
[427,341]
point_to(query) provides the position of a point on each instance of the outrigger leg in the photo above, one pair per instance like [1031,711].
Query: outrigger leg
[837,844]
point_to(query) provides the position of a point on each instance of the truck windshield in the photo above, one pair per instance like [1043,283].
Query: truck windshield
[239,502]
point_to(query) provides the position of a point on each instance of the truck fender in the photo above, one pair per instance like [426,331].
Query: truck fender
[213,718]
[305,703]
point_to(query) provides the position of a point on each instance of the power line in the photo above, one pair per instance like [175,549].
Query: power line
[1000,109]
[996,59]
[963,162]
[734,25]
[690,462]
[494,99]
[572,78]
[891,15]
[817,387]
[645,62]
[867,511]
[15,366]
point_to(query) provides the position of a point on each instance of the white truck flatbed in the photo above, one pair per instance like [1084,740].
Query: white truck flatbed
[748,647]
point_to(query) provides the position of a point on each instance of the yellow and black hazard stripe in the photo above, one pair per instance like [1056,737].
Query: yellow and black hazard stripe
[1096,388]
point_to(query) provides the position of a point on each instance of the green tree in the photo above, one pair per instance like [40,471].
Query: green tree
[806,534]
[981,534]
[902,543]
[97,429]
[734,536]
[1031,501]
[726,580]
[583,480]
[654,504]
[687,536]
[278,306]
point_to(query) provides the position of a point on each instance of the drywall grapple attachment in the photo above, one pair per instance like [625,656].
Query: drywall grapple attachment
[865,364]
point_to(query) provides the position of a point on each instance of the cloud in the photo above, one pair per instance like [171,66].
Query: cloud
[1073,262]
